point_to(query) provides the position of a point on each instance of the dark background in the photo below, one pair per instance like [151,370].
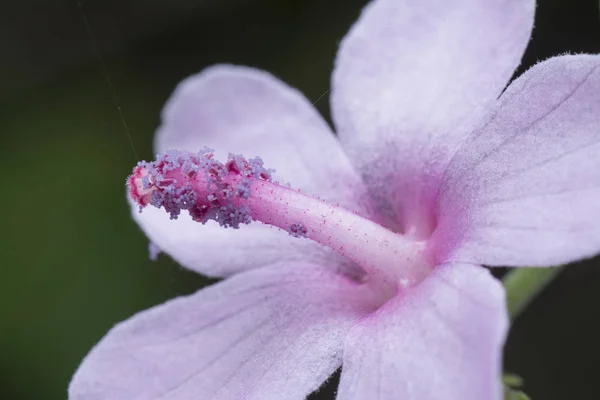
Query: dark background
[73,261]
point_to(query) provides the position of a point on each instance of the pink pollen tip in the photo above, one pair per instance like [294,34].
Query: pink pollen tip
[135,182]
[196,182]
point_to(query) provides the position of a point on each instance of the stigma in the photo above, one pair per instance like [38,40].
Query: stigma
[197,183]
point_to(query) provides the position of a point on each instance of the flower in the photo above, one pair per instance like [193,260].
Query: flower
[435,171]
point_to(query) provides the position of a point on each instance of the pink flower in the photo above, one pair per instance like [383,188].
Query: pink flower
[435,171]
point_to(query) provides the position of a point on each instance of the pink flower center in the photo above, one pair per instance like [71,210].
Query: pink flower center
[241,190]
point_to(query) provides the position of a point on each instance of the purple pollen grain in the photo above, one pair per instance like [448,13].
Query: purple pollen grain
[298,230]
[153,251]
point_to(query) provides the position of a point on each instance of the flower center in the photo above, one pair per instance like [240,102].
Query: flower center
[241,190]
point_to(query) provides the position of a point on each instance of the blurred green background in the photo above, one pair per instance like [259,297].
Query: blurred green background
[73,261]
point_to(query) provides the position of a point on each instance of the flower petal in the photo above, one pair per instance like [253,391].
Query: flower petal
[440,340]
[411,77]
[270,333]
[244,110]
[525,188]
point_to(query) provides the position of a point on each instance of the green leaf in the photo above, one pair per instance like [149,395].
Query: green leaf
[523,285]
[510,394]
[512,380]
